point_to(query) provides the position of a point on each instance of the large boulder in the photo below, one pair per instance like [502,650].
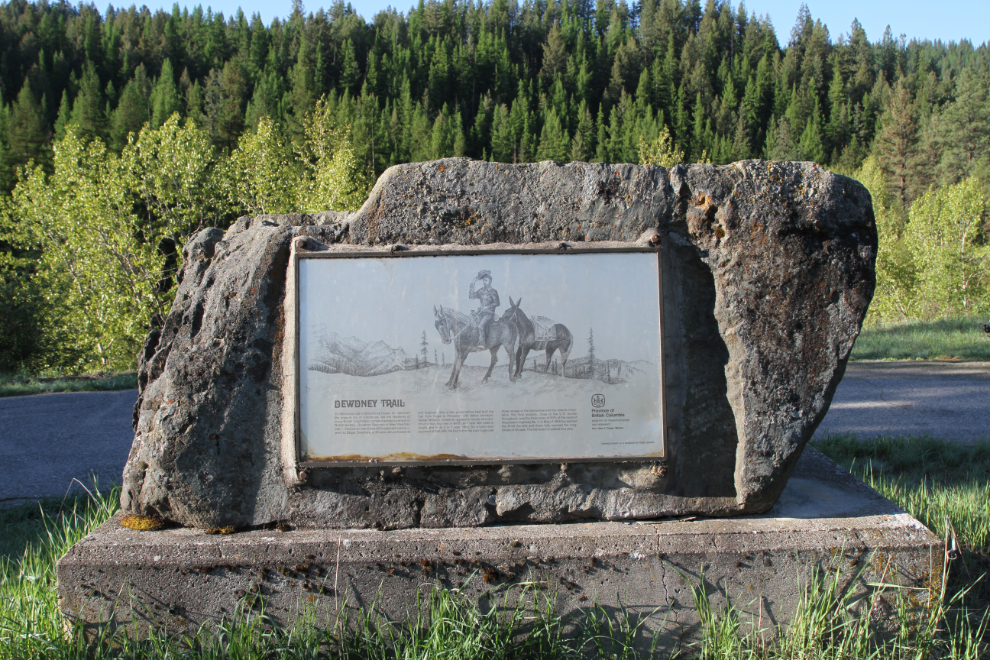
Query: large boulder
[768,273]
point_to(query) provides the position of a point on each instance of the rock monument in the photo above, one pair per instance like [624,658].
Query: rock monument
[767,273]
[319,426]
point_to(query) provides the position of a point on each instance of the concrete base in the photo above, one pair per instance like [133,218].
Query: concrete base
[825,518]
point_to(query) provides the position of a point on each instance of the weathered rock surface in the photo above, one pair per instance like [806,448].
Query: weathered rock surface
[768,272]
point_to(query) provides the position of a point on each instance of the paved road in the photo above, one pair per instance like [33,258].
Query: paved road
[943,399]
[48,440]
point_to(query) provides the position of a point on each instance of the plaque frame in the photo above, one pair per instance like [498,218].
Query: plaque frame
[296,463]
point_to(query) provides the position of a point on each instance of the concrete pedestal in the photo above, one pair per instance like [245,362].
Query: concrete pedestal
[825,518]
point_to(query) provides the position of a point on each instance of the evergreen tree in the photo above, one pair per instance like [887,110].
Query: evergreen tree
[591,352]
[966,127]
[229,117]
[302,87]
[132,111]
[89,107]
[896,144]
[350,73]
[64,116]
[583,144]
[27,135]
[503,139]
[810,145]
[165,99]
[780,141]
[554,141]
[266,101]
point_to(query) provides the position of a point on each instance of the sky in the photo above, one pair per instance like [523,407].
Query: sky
[951,20]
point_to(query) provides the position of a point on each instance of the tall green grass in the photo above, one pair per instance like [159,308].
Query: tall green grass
[932,479]
[32,538]
[959,338]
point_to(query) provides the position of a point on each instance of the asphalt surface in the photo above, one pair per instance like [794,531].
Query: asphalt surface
[948,400]
[51,444]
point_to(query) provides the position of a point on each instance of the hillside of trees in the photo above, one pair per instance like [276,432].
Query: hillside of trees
[338,99]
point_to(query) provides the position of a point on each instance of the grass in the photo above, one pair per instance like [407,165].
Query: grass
[936,481]
[953,339]
[945,485]
[18,384]
[931,479]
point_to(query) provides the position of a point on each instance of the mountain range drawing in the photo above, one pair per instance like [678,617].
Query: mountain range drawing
[354,357]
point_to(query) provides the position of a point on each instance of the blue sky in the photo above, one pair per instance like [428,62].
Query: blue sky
[950,20]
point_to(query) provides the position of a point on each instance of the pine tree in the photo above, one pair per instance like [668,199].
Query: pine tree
[459,140]
[350,73]
[194,104]
[27,135]
[780,141]
[266,100]
[131,114]
[64,116]
[424,347]
[554,141]
[583,144]
[811,139]
[302,87]
[7,174]
[896,144]
[233,91]
[442,136]
[165,100]
[554,54]
[89,107]
[741,148]
[966,127]
[503,140]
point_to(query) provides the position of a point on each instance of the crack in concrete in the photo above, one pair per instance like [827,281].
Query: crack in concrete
[663,569]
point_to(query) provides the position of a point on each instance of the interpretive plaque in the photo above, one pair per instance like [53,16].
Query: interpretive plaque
[437,357]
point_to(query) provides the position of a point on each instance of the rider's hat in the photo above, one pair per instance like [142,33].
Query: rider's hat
[485,273]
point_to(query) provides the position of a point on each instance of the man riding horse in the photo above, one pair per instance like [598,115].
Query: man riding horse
[479,332]
[487,298]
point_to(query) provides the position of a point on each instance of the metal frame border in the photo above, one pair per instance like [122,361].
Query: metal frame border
[564,250]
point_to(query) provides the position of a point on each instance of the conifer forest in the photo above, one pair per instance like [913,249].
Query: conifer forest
[123,132]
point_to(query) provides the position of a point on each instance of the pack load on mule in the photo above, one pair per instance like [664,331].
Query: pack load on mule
[543,328]
[530,339]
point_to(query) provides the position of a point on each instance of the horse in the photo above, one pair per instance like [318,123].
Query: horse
[528,341]
[460,329]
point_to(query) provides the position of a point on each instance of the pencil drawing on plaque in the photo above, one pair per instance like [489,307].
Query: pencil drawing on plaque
[514,334]
[491,334]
